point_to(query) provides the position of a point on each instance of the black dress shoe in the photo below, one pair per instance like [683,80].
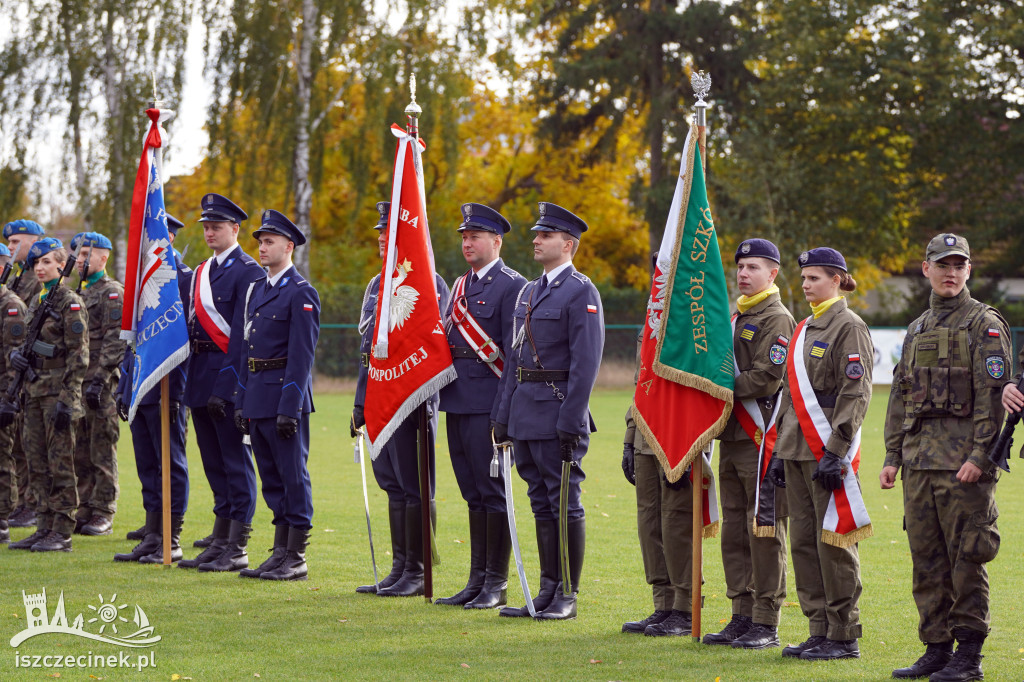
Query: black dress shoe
[794,650]
[638,626]
[832,649]
[935,659]
[759,636]
[679,623]
[736,628]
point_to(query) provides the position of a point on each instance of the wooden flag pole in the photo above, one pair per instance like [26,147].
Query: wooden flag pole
[165,464]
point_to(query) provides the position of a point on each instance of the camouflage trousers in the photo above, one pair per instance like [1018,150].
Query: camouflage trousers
[8,474]
[51,464]
[952,531]
[96,458]
[25,497]
[755,567]
[664,520]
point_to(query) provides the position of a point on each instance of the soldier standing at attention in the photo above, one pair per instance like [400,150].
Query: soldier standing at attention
[215,327]
[53,401]
[275,394]
[479,324]
[98,430]
[944,414]
[754,558]
[12,335]
[557,346]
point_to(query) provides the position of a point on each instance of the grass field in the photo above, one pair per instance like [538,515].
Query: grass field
[221,627]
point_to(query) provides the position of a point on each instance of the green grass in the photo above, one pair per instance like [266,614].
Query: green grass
[220,627]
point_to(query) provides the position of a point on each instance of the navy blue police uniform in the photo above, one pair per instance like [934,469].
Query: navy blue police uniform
[483,312]
[556,353]
[212,379]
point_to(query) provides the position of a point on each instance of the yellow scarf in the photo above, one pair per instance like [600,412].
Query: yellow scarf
[820,309]
[745,303]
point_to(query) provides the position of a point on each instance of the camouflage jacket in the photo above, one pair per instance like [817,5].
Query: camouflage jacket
[839,357]
[67,330]
[28,287]
[760,343]
[13,310]
[944,405]
[104,299]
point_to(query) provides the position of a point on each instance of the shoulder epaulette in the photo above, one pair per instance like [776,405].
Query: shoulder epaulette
[581,277]
[512,274]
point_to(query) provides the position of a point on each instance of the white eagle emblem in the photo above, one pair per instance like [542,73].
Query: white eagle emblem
[403,297]
[656,304]
[156,272]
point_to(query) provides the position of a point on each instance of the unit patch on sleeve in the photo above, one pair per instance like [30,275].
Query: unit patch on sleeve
[777,354]
[854,368]
[996,366]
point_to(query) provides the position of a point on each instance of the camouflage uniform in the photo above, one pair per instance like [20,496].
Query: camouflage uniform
[944,410]
[12,311]
[51,452]
[27,289]
[97,432]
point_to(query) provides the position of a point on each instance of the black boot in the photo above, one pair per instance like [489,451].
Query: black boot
[759,636]
[137,534]
[563,605]
[638,626]
[935,658]
[5,532]
[293,566]
[150,540]
[396,516]
[208,540]
[478,540]
[53,541]
[221,528]
[23,517]
[678,624]
[966,661]
[796,650]
[157,556]
[547,553]
[499,546]
[411,582]
[736,628]
[277,553]
[26,543]
[234,557]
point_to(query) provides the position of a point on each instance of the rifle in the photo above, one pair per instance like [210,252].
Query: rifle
[8,266]
[999,454]
[83,272]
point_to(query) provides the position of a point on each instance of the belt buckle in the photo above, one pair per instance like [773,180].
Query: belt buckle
[519,374]
[252,365]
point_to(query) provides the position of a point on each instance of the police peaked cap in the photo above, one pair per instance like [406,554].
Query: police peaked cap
[93,239]
[23,226]
[173,224]
[217,208]
[275,222]
[485,218]
[41,248]
[758,248]
[823,257]
[554,218]
[384,209]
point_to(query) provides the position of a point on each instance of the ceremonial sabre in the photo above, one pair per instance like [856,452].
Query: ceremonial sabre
[510,510]
[360,433]
[563,526]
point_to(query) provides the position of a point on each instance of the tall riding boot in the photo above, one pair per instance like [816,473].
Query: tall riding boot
[293,566]
[547,551]
[234,557]
[499,545]
[150,540]
[221,529]
[276,554]
[396,516]
[157,557]
[966,661]
[477,558]
[564,605]
[411,582]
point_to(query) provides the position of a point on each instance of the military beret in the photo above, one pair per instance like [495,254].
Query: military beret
[275,222]
[4,251]
[554,218]
[217,208]
[41,248]
[484,218]
[173,224]
[384,209]
[93,239]
[822,256]
[947,244]
[23,226]
[758,248]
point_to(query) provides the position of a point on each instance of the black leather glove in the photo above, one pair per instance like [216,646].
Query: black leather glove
[8,411]
[61,416]
[628,462]
[567,443]
[122,409]
[829,472]
[93,393]
[776,472]
[683,482]
[500,432]
[286,426]
[358,420]
[217,407]
[173,407]
[241,423]
[18,360]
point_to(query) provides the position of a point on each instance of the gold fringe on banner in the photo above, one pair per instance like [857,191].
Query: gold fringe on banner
[835,539]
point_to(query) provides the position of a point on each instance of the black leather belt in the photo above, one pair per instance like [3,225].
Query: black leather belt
[205,347]
[257,365]
[523,374]
[463,352]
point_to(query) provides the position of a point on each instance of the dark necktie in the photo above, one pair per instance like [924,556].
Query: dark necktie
[543,285]
[473,279]
[268,287]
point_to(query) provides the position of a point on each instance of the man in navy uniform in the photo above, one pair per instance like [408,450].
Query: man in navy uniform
[402,466]
[556,352]
[146,439]
[479,324]
[216,311]
[274,396]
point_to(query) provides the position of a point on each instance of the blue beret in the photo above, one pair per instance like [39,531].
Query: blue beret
[23,226]
[221,209]
[384,209]
[275,222]
[554,218]
[4,251]
[823,257]
[758,248]
[94,239]
[41,248]
[484,218]
[173,224]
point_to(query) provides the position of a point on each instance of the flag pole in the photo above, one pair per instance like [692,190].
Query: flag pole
[701,84]
[412,112]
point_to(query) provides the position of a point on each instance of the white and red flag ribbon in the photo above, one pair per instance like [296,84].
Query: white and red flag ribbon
[207,315]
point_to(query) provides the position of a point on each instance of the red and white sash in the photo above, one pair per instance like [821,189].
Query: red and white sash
[206,312]
[846,520]
[472,332]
